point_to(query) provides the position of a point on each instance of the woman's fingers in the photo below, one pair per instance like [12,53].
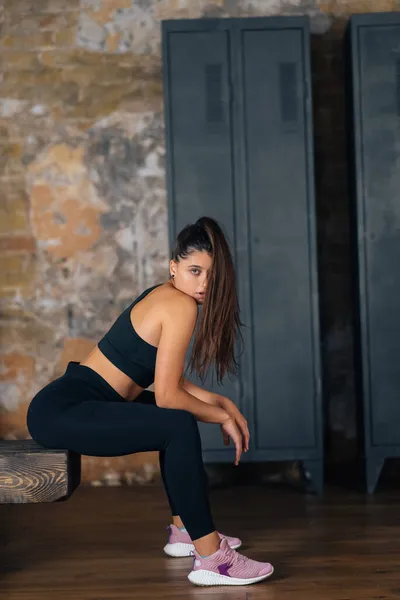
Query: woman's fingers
[247,438]
[231,428]
[242,424]
[238,446]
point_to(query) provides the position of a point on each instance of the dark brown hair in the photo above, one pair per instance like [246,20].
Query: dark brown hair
[219,323]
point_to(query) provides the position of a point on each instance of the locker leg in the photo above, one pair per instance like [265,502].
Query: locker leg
[314,475]
[373,469]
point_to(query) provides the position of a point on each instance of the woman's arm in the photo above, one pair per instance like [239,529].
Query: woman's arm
[201,394]
[222,402]
[177,324]
[178,320]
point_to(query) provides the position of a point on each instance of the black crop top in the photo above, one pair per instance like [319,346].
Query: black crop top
[127,350]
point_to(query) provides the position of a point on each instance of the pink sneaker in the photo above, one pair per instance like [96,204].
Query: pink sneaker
[227,567]
[180,544]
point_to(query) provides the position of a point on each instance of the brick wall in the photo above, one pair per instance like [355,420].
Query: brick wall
[83,219]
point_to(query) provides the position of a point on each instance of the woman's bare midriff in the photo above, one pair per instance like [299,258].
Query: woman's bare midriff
[114,376]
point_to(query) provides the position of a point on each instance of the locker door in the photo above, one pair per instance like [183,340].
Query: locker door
[199,148]
[281,216]
[380,134]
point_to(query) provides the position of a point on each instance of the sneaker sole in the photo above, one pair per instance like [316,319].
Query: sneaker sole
[179,550]
[208,578]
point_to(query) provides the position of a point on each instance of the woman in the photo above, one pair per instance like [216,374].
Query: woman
[100,407]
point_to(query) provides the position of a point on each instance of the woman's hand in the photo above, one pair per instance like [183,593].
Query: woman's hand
[239,419]
[230,430]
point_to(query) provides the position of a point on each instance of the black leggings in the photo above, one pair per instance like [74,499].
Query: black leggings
[81,412]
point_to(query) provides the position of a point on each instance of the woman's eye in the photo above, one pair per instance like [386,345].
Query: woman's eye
[195,271]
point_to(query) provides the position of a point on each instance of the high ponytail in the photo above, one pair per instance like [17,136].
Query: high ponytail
[219,324]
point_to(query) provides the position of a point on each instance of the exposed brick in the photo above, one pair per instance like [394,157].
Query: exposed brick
[4,131]
[13,167]
[5,294]
[64,92]
[31,7]
[36,21]
[41,77]
[14,365]
[85,76]
[11,150]
[21,330]
[21,61]
[6,42]
[17,243]
[348,7]
[15,271]
[36,41]
[65,38]
[55,58]
[18,371]
[99,101]
[13,214]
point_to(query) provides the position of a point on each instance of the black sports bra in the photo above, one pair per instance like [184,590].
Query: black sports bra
[127,350]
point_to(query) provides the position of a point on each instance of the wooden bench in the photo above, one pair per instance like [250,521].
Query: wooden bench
[31,473]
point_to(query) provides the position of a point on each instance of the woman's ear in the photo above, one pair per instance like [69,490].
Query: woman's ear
[172,268]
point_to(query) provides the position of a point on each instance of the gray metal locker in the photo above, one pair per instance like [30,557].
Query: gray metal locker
[374,86]
[238,120]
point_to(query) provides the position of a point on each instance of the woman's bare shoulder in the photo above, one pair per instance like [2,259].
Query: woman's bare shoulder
[172,300]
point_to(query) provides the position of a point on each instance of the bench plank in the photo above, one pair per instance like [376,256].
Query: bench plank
[30,473]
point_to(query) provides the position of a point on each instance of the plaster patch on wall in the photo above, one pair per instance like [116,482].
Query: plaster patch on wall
[98,211]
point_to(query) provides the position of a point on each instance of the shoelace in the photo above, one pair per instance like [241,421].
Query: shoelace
[240,558]
[234,557]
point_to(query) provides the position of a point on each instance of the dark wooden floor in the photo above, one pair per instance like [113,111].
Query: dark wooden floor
[106,544]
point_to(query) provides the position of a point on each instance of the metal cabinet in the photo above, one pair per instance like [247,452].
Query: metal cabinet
[238,116]
[373,57]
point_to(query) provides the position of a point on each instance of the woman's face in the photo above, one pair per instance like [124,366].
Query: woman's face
[190,274]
